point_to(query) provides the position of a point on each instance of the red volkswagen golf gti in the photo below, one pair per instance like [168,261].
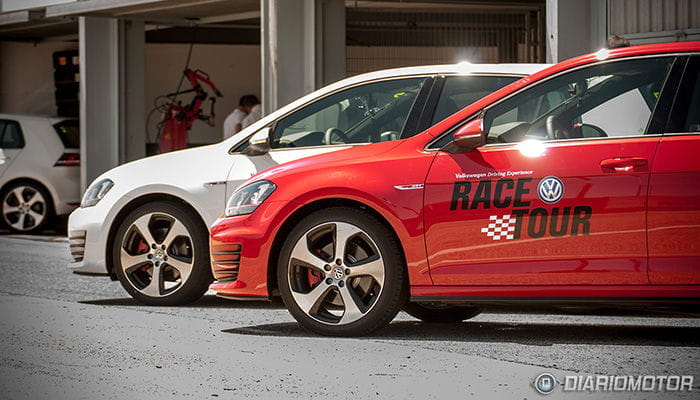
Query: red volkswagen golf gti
[577,185]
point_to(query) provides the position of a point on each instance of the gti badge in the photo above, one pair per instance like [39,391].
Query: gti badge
[550,189]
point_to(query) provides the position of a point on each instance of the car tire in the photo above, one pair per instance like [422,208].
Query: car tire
[170,241]
[26,207]
[440,313]
[316,284]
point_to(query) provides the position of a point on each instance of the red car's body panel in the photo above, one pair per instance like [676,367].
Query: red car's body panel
[354,182]
[594,236]
[674,212]
[252,240]
[600,244]
[637,292]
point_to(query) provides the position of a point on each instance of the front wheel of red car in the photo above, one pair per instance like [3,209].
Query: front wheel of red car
[341,273]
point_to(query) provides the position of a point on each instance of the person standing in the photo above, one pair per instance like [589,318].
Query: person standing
[254,110]
[234,121]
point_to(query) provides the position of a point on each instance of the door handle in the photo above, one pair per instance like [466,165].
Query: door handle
[623,164]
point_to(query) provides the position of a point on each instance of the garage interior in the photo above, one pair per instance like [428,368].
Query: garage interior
[120,55]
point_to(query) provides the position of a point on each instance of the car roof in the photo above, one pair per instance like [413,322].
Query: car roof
[28,117]
[600,55]
[463,68]
[609,54]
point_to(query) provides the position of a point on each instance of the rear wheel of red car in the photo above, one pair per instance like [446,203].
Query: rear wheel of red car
[161,255]
[440,313]
[341,273]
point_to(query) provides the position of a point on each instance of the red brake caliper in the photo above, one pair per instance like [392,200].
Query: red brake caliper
[142,248]
[313,276]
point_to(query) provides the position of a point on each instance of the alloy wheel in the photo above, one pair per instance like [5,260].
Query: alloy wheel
[157,255]
[24,208]
[336,273]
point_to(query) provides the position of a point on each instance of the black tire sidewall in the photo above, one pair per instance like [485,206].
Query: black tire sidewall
[394,292]
[200,278]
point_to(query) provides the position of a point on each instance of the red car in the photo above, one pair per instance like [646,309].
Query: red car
[577,185]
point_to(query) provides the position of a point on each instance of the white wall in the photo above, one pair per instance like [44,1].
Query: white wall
[26,77]
[27,86]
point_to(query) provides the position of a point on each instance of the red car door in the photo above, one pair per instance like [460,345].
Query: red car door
[674,191]
[558,195]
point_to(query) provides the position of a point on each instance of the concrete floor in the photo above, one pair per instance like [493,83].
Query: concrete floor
[72,337]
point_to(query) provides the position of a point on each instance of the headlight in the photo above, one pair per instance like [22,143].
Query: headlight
[96,192]
[246,199]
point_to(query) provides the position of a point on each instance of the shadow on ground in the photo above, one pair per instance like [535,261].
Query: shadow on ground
[536,334]
[204,302]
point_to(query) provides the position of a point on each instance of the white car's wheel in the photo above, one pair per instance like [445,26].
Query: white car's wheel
[25,207]
[341,273]
[161,255]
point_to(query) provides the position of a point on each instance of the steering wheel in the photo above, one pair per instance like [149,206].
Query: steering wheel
[328,136]
[556,129]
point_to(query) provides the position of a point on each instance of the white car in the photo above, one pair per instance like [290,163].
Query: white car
[38,175]
[146,222]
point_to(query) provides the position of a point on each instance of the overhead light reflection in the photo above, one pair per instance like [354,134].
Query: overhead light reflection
[532,148]
[602,54]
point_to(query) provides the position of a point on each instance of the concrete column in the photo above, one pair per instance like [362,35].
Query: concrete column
[132,91]
[99,100]
[575,27]
[303,48]
[112,94]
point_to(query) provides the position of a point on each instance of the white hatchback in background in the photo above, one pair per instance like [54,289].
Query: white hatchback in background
[146,222]
[38,175]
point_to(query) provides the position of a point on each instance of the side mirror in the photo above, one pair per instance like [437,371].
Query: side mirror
[259,143]
[467,138]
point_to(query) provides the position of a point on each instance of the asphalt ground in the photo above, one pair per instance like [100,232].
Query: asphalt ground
[66,336]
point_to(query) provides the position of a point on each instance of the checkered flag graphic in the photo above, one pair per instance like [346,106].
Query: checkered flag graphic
[500,227]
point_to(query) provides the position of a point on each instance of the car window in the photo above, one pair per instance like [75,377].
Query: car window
[692,120]
[604,100]
[69,132]
[370,113]
[11,135]
[461,91]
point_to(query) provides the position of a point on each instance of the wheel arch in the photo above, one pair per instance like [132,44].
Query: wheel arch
[132,205]
[306,210]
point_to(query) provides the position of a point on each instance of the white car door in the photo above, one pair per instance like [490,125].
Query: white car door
[367,113]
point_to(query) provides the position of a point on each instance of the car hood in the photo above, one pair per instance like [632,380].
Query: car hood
[206,163]
[329,161]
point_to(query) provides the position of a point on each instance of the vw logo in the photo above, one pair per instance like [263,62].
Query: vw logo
[338,273]
[545,383]
[550,190]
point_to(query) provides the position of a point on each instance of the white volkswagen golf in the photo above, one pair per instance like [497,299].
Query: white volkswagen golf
[39,174]
[146,222]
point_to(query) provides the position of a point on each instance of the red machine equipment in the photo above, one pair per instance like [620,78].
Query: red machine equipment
[178,119]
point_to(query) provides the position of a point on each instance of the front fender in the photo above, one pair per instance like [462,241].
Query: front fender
[405,218]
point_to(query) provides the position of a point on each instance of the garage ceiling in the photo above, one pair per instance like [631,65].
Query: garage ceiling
[167,20]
